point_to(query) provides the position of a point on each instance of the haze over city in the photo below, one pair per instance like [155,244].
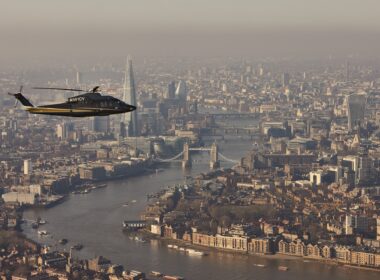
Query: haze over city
[69,30]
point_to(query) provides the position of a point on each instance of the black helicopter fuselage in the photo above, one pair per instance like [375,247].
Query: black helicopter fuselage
[84,105]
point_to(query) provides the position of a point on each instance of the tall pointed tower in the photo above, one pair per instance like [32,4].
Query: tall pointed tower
[129,120]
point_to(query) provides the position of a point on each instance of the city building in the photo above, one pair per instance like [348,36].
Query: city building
[355,110]
[170,93]
[64,130]
[28,167]
[285,79]
[22,198]
[129,121]
[263,246]
[357,224]
[79,78]
[181,91]
[101,124]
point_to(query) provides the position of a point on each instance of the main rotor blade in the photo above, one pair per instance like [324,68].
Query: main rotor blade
[54,88]
[21,88]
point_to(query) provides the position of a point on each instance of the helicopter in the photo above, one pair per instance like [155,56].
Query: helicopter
[90,103]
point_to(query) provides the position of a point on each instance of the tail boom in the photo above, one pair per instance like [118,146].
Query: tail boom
[22,99]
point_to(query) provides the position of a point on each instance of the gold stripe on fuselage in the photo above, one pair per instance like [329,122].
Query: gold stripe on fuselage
[41,110]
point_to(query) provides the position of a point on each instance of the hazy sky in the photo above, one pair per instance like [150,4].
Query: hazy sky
[48,28]
[191,13]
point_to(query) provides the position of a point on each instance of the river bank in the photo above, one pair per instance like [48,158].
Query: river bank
[95,220]
[146,235]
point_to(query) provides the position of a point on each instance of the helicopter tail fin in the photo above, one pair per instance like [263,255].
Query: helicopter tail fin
[22,99]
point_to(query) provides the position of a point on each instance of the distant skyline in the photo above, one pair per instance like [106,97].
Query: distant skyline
[56,29]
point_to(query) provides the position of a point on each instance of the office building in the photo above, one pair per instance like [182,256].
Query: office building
[355,110]
[79,78]
[356,224]
[63,130]
[181,91]
[28,167]
[22,198]
[129,120]
[285,79]
[101,124]
[170,93]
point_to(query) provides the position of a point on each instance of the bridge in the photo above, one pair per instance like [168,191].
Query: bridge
[186,156]
[225,115]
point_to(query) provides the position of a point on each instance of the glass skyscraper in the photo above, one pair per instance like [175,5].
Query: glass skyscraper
[128,122]
[355,110]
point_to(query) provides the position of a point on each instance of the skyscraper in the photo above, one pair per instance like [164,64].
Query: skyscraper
[79,78]
[129,120]
[101,124]
[181,91]
[63,130]
[285,79]
[170,94]
[355,110]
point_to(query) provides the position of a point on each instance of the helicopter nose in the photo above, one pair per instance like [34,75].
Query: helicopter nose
[130,108]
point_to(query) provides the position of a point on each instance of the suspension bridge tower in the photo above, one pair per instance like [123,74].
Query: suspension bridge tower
[214,158]
[186,162]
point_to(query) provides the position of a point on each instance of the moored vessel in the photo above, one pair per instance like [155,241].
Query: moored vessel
[156,273]
[169,277]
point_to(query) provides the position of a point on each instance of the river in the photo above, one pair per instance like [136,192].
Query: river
[95,220]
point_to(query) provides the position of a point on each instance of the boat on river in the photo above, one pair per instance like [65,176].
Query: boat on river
[139,239]
[156,273]
[169,277]
[283,268]
[63,241]
[193,252]
[77,247]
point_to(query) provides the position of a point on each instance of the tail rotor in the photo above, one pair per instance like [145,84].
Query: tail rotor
[19,97]
[14,94]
